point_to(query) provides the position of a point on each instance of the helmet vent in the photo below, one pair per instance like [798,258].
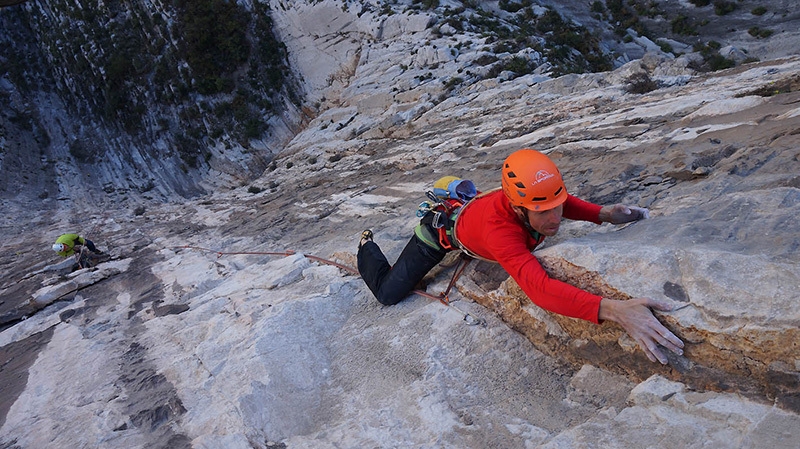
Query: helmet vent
[521,185]
[539,198]
[510,174]
[558,191]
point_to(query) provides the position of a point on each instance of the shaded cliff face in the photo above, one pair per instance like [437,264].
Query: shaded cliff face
[121,100]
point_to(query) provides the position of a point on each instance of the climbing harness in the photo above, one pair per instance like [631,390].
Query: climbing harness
[86,258]
[442,212]
[83,257]
[443,298]
[449,195]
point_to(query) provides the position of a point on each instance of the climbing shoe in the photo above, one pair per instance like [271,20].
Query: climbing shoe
[366,236]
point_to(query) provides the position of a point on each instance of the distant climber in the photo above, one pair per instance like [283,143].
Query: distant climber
[505,225]
[84,249]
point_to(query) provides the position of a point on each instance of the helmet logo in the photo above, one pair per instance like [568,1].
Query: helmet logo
[541,176]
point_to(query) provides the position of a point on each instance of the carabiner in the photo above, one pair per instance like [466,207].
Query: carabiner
[437,222]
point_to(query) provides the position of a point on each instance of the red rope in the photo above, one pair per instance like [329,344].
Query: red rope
[441,298]
[462,265]
[330,262]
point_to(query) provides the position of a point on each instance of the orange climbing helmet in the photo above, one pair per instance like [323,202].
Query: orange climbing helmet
[531,180]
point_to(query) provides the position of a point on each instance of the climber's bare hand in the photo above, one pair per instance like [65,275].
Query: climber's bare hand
[636,317]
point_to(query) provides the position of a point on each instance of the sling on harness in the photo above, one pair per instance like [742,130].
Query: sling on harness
[442,218]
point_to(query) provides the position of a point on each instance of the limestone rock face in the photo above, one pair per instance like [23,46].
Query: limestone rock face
[723,254]
[684,417]
[220,326]
[746,355]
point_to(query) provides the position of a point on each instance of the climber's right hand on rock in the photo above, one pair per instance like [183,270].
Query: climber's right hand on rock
[621,214]
[636,317]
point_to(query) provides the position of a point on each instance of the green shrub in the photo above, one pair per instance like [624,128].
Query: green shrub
[519,65]
[82,152]
[719,62]
[684,26]
[188,150]
[426,4]
[564,39]
[252,128]
[214,41]
[646,8]
[640,83]
[625,15]
[513,6]
[723,7]
[453,82]
[505,46]
[665,46]
[760,33]
[758,11]
[712,60]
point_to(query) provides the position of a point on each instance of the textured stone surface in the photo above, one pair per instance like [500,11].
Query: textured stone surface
[193,347]
[756,358]
[723,252]
[665,413]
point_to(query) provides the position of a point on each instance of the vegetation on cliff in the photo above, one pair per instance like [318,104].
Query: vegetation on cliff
[156,72]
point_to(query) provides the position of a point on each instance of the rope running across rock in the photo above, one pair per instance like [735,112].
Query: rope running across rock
[443,298]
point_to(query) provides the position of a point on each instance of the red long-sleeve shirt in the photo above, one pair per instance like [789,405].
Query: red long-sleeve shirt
[490,228]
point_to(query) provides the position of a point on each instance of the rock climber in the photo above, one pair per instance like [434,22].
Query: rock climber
[68,244]
[505,225]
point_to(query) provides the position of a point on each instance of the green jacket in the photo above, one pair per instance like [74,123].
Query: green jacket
[70,240]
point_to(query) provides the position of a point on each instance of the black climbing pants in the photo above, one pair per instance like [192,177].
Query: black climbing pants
[90,245]
[391,284]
